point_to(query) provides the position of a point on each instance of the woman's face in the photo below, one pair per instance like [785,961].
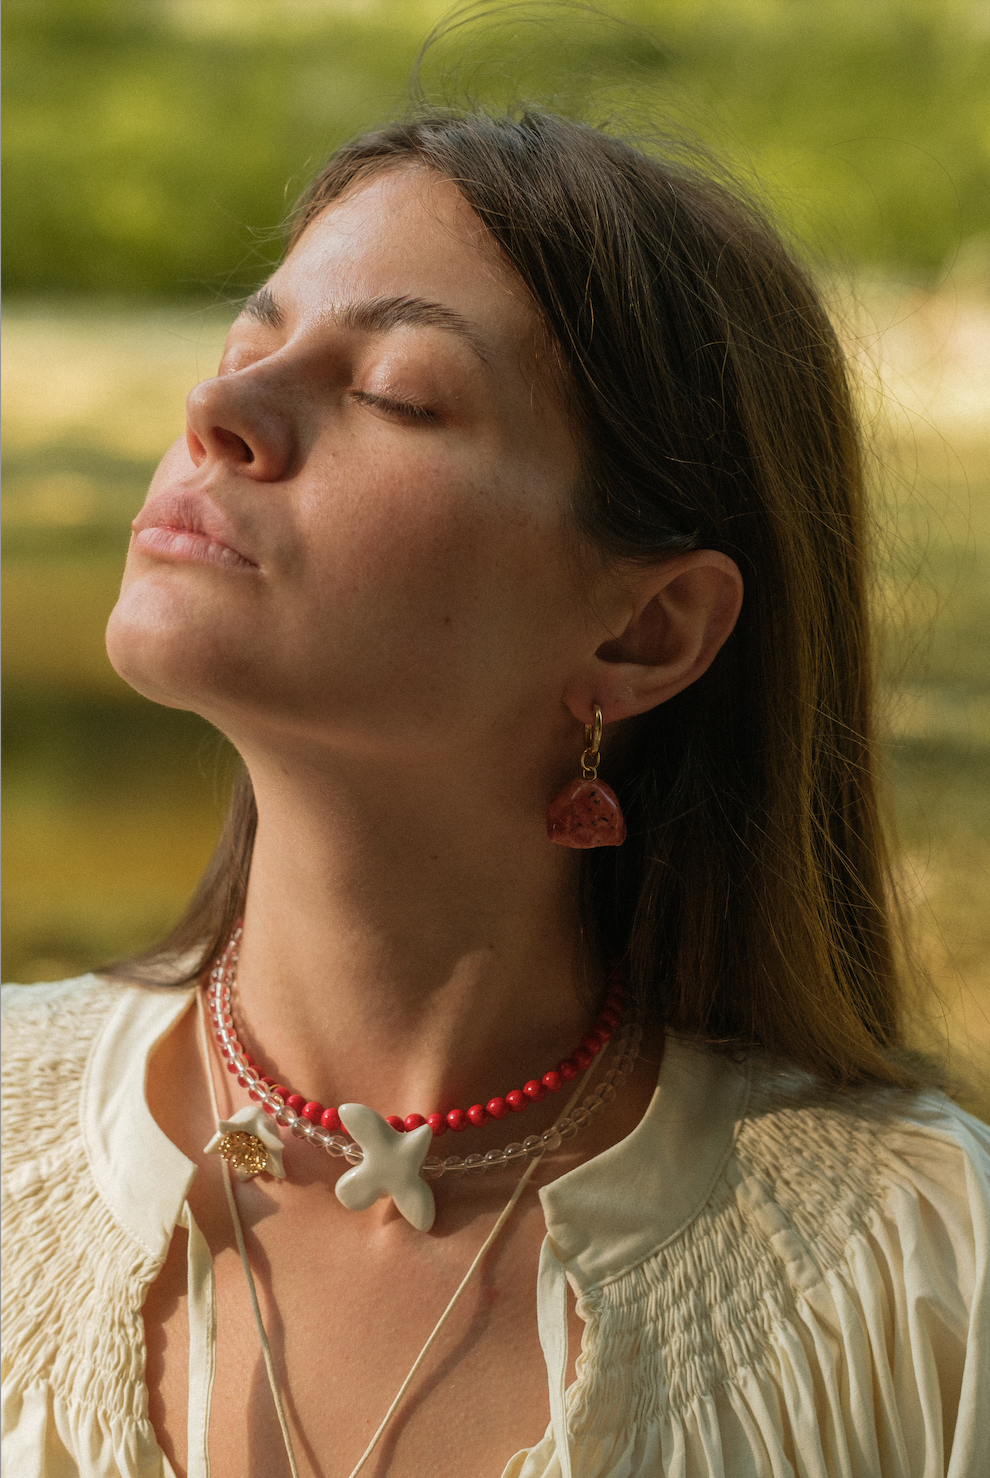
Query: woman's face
[364,534]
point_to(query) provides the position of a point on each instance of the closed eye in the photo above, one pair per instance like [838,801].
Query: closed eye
[406,409]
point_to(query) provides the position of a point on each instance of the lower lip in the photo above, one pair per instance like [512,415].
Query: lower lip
[189,547]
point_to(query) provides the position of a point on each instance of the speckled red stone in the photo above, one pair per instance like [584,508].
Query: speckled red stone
[586,813]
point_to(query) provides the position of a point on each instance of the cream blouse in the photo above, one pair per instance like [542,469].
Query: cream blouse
[777,1281]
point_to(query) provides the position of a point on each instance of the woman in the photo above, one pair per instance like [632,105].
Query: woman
[528,428]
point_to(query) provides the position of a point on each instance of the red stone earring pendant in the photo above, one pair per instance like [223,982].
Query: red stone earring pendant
[586,813]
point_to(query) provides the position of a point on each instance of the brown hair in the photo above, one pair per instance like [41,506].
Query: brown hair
[751,900]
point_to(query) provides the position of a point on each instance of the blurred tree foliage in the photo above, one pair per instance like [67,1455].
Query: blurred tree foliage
[152,146]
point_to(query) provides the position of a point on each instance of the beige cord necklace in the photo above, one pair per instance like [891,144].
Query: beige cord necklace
[249,1276]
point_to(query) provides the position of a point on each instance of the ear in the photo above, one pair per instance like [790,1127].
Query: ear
[674,618]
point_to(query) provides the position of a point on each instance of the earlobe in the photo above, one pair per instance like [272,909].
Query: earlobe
[681,613]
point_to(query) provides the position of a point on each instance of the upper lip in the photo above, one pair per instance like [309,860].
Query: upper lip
[192,511]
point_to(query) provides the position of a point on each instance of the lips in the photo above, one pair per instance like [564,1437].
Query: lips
[189,527]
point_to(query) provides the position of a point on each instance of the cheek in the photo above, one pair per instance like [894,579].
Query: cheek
[426,558]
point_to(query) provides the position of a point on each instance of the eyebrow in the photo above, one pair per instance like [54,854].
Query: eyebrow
[377,316]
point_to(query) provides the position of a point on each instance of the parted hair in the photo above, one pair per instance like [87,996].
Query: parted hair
[751,903]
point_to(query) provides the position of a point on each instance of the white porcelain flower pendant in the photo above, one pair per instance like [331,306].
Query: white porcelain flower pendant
[250,1142]
[391,1165]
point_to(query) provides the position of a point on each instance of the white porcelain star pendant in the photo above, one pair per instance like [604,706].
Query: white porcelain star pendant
[250,1142]
[391,1166]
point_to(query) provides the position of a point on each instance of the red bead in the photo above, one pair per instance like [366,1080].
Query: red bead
[498,1108]
[568,1070]
[457,1120]
[313,1112]
[413,1121]
[255,1093]
[437,1123]
[219,1037]
[243,1079]
[232,1067]
[395,1122]
[552,1081]
[583,1057]
[591,1044]
[249,1059]
[609,1020]
[534,1090]
[602,1034]
[517,1100]
[477,1115]
[277,1088]
[295,1101]
[330,1119]
[268,1082]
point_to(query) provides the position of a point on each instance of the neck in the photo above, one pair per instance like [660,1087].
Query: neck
[410,941]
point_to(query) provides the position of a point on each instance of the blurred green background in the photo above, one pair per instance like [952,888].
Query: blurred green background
[151,149]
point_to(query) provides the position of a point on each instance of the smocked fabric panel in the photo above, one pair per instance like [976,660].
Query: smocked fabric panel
[825,1315]
[74,1278]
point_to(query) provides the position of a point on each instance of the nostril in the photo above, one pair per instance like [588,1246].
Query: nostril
[233,444]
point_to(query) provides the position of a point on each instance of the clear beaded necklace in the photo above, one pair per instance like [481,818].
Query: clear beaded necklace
[625,1043]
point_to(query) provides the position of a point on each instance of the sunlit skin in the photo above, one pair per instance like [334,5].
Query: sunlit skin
[359,565]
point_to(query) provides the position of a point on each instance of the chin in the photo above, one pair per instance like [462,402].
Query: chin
[161,655]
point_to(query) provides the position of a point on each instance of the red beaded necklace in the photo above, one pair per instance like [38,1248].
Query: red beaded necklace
[516,1101]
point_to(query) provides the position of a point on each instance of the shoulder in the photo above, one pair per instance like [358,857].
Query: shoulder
[831,1285]
[74,1109]
[48,1034]
[824,1165]
[62,1007]
[92,1190]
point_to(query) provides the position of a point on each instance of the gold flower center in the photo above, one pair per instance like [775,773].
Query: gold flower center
[245,1152]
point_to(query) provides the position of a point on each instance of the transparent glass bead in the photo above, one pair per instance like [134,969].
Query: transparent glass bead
[607,1081]
[514,1152]
[580,1116]
[606,1092]
[625,1065]
[452,1164]
[566,1128]
[432,1168]
[302,1128]
[533,1144]
[495,1158]
[593,1102]
[635,1033]
[353,1154]
[472,1162]
[335,1146]
[286,1117]
[551,1139]
[320,1136]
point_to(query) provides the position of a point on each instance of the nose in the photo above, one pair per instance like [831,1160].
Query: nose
[237,420]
